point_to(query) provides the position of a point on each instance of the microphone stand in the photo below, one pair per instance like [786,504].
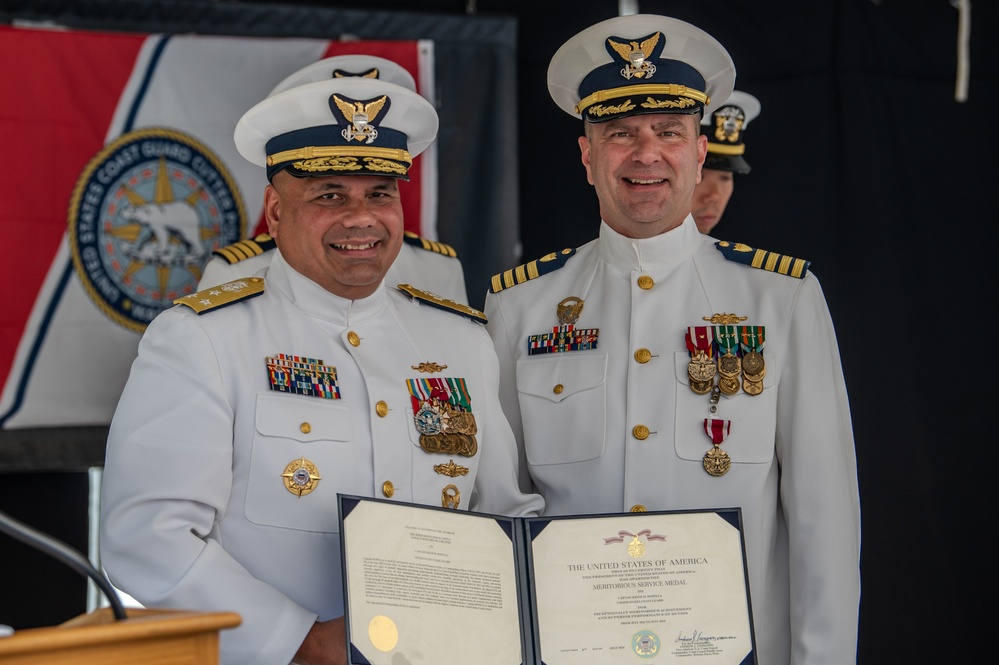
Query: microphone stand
[64,553]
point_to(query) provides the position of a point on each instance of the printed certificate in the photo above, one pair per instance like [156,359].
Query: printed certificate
[428,585]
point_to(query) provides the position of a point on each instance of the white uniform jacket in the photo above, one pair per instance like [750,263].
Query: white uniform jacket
[426,269]
[195,512]
[793,464]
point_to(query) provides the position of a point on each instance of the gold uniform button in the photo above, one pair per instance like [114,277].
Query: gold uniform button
[353,338]
[638,508]
[640,432]
[558,389]
[381,408]
[305,428]
[643,356]
[645,282]
[388,489]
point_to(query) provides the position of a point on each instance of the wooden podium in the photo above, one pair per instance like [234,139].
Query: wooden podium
[149,637]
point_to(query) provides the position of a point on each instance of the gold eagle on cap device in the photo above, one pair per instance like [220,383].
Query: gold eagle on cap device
[630,53]
[360,113]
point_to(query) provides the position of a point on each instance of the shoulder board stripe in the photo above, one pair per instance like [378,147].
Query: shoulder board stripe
[245,249]
[761,258]
[528,271]
[430,245]
[443,303]
[224,294]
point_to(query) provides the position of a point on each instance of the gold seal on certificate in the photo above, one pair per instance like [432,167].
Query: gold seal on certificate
[383,633]
[645,644]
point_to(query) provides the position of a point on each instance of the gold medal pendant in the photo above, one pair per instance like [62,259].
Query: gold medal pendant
[753,365]
[701,387]
[752,387]
[716,461]
[701,370]
[729,368]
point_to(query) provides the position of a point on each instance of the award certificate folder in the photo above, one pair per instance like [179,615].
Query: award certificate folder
[444,587]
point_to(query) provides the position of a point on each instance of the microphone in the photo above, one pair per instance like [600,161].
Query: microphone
[64,553]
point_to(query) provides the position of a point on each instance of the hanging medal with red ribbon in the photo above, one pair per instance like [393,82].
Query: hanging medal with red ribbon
[729,365]
[701,368]
[716,461]
[753,340]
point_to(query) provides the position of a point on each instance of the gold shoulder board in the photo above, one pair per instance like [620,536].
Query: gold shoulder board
[224,294]
[430,245]
[528,271]
[246,249]
[441,302]
[761,258]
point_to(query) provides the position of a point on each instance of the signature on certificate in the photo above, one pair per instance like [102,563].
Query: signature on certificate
[697,637]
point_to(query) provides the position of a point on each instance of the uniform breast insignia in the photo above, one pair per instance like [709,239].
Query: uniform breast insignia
[443,303]
[565,336]
[451,470]
[761,258]
[429,368]
[429,245]
[246,249]
[716,461]
[450,497]
[726,319]
[442,413]
[301,477]
[302,376]
[224,294]
[529,271]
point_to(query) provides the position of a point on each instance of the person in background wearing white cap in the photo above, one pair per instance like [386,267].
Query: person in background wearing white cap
[431,264]
[251,405]
[656,369]
[725,129]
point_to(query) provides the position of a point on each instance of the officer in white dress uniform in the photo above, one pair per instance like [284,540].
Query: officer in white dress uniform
[431,264]
[657,369]
[252,404]
[725,129]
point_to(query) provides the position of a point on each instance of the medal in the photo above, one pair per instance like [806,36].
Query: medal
[701,368]
[716,461]
[729,365]
[753,365]
[442,414]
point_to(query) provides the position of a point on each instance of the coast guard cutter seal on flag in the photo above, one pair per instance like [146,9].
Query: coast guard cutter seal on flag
[121,178]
